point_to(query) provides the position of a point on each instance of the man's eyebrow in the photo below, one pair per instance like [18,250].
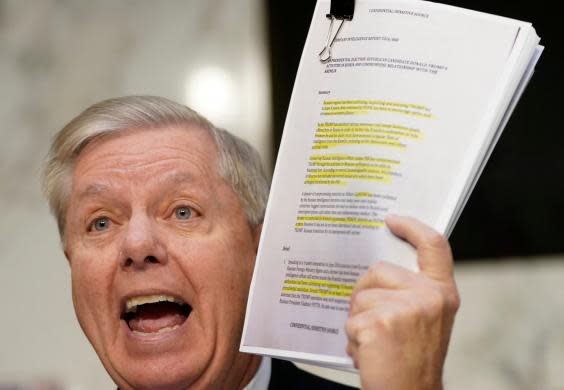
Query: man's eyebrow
[92,190]
[177,178]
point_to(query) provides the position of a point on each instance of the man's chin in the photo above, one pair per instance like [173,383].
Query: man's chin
[166,371]
[168,359]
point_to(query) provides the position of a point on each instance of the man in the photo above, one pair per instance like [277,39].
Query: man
[160,215]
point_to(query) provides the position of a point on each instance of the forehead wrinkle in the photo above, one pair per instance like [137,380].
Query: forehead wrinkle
[126,164]
[121,154]
[167,180]
[173,164]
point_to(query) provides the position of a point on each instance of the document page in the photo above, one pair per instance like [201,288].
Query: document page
[388,125]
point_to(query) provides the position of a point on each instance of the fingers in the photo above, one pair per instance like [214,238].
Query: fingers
[385,275]
[378,317]
[352,351]
[434,257]
[372,298]
[400,321]
[383,310]
[433,250]
[398,338]
[367,327]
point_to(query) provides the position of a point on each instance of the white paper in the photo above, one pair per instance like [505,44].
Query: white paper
[400,121]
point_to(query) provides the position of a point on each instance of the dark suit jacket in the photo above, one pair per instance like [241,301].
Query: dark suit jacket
[286,376]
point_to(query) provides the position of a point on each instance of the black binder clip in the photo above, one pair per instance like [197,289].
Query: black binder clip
[342,10]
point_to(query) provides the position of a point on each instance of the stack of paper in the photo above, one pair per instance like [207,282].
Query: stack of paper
[401,120]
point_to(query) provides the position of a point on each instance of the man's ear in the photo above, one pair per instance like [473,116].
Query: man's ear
[256,236]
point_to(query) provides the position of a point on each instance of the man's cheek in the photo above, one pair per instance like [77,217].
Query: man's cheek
[87,287]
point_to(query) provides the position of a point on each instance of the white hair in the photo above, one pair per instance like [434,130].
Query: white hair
[239,163]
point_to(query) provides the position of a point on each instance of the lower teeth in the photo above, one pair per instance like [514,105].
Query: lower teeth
[162,330]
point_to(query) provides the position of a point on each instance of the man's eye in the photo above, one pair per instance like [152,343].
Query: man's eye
[183,212]
[101,224]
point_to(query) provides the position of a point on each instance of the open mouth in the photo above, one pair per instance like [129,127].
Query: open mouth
[155,313]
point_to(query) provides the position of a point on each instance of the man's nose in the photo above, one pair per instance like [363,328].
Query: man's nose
[142,246]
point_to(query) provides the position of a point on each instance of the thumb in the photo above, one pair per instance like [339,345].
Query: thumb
[433,250]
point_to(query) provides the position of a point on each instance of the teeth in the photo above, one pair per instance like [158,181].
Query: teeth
[132,303]
[162,330]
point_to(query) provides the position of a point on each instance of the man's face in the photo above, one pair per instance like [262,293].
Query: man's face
[150,220]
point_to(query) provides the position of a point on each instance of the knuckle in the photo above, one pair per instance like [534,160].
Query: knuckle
[453,299]
[362,330]
[361,299]
[441,301]
[386,321]
[437,240]
[349,350]
[351,327]
[381,266]
[366,336]
[375,269]
[436,301]
[377,272]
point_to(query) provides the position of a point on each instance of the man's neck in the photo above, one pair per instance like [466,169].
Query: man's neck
[251,369]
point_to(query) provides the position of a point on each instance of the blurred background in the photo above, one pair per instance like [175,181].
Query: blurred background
[235,62]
